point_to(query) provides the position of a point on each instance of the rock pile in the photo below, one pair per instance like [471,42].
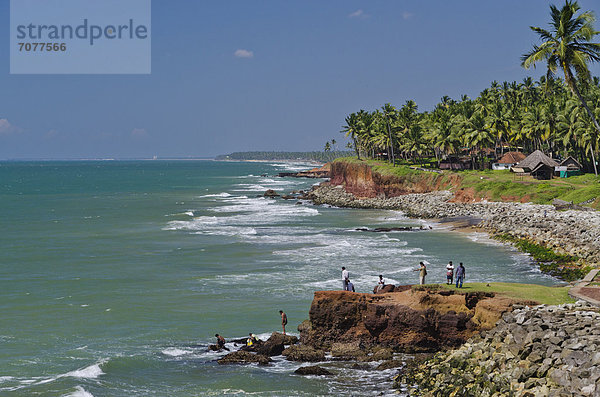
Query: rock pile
[571,232]
[539,351]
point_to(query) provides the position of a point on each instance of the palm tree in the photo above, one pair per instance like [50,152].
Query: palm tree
[568,46]
[389,113]
[352,129]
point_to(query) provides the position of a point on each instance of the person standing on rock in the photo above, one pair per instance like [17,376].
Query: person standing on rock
[381,283]
[422,272]
[460,275]
[449,273]
[345,278]
[283,320]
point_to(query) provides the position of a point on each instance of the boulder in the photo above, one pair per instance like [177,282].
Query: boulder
[382,354]
[303,353]
[243,357]
[312,370]
[271,193]
[347,351]
[214,348]
[275,345]
[389,364]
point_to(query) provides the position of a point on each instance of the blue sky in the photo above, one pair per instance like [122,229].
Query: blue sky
[266,75]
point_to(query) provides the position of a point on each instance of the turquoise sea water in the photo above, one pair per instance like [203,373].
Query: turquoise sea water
[115,276]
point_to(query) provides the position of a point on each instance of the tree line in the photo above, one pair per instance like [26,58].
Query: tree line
[324,156]
[557,116]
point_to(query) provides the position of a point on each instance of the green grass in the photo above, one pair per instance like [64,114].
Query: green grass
[499,185]
[534,292]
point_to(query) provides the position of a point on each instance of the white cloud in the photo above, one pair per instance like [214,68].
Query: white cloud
[241,53]
[138,132]
[7,128]
[407,15]
[356,14]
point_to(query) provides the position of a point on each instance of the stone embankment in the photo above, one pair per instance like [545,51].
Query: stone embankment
[539,351]
[571,232]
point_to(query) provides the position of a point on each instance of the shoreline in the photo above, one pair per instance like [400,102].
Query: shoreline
[569,233]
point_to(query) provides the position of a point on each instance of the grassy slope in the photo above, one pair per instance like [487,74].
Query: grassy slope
[503,185]
[538,293]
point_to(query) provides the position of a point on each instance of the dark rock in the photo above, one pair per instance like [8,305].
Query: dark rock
[312,370]
[271,193]
[347,351]
[381,354]
[242,357]
[303,353]
[275,345]
[389,364]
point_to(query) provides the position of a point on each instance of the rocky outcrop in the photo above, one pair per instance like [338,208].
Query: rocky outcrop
[571,232]
[275,345]
[312,370]
[349,324]
[319,172]
[244,357]
[539,351]
[270,193]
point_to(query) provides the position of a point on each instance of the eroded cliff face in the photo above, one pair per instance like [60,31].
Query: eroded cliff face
[362,181]
[408,321]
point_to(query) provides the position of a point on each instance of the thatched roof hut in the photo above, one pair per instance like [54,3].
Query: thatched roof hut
[536,158]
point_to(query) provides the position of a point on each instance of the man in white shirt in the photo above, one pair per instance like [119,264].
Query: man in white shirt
[449,273]
[345,277]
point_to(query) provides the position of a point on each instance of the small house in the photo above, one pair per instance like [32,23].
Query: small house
[537,164]
[568,167]
[509,160]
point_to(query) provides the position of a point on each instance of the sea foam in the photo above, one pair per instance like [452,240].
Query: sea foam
[79,392]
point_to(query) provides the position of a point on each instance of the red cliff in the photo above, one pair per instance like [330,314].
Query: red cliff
[409,321]
[360,180]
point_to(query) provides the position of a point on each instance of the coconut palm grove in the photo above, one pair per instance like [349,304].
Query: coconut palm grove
[556,114]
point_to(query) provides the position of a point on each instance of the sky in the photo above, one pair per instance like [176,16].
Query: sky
[267,75]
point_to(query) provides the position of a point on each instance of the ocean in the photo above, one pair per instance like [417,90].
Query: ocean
[115,275]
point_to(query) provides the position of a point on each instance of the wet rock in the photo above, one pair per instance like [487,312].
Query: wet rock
[243,357]
[312,370]
[303,353]
[271,193]
[347,351]
[275,345]
[389,364]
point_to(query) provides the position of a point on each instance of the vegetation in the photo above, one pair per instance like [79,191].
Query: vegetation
[555,116]
[314,156]
[567,46]
[538,293]
[496,185]
[565,267]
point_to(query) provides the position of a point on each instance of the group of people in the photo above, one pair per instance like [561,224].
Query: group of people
[346,283]
[459,274]
[252,339]
[451,275]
